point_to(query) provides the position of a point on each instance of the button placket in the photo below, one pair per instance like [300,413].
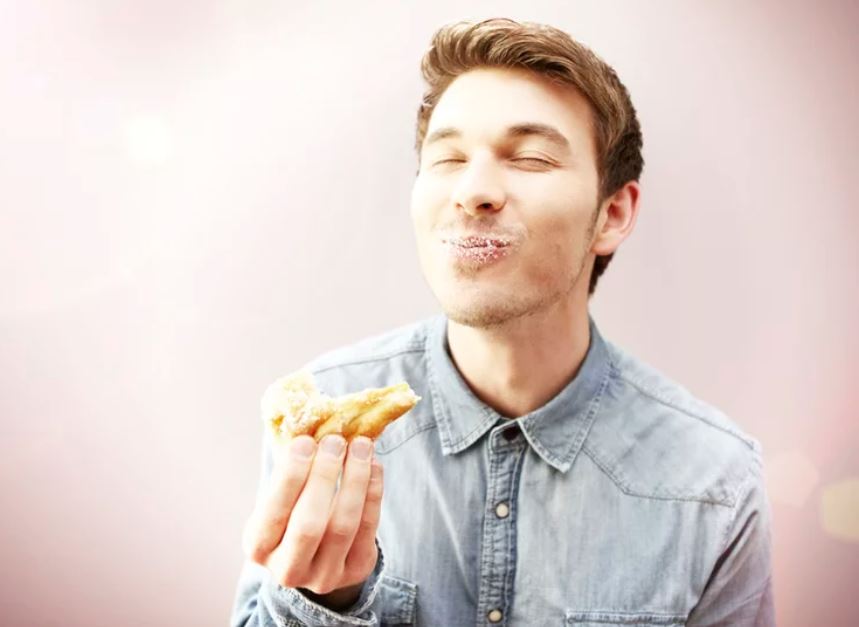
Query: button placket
[498,551]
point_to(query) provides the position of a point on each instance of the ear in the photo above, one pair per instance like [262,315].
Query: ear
[616,219]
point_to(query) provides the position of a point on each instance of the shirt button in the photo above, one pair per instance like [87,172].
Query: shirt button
[495,616]
[502,510]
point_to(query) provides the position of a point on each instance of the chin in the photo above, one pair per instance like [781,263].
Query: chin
[492,306]
[488,314]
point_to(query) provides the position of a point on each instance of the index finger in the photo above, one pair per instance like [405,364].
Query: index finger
[267,524]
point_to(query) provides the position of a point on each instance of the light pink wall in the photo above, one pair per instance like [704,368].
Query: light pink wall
[198,196]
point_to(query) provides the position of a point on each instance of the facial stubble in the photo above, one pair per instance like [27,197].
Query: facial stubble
[491,315]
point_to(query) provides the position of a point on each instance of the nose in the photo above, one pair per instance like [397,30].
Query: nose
[479,189]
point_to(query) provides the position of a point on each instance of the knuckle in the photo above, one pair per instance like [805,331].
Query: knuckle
[326,582]
[374,493]
[341,531]
[361,562]
[359,571]
[290,577]
[327,471]
[367,525]
[279,520]
[306,534]
[256,553]
[377,484]
[327,587]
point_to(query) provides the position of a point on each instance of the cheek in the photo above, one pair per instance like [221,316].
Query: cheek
[557,244]
[560,230]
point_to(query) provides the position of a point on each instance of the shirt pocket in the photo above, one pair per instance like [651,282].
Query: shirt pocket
[398,601]
[629,619]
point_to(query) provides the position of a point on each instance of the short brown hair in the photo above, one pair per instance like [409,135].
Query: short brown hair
[552,53]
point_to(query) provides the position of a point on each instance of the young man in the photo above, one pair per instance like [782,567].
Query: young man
[547,477]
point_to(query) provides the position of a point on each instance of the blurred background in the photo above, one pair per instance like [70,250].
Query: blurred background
[195,197]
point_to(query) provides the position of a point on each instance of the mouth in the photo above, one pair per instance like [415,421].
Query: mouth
[477,241]
[477,250]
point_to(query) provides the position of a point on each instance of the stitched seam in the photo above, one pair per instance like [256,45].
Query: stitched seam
[488,420]
[487,544]
[411,348]
[556,461]
[629,492]
[594,409]
[612,616]
[599,614]
[394,447]
[647,392]
[405,613]
[727,534]
[438,411]
[319,612]
[757,593]
[563,463]
[513,500]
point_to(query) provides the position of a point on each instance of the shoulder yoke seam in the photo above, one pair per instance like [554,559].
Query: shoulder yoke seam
[653,497]
[650,393]
[411,348]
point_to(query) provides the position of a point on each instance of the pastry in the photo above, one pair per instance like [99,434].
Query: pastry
[293,406]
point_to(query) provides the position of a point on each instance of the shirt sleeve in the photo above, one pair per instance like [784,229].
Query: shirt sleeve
[739,591]
[262,602]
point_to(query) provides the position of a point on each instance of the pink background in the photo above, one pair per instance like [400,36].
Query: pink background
[198,196]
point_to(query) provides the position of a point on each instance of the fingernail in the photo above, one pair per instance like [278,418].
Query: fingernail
[302,447]
[333,445]
[361,448]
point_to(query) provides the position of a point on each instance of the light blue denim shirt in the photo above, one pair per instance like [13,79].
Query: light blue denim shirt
[622,501]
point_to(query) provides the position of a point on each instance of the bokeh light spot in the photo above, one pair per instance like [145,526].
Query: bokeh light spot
[839,509]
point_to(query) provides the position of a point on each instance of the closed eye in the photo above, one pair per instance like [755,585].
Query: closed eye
[533,160]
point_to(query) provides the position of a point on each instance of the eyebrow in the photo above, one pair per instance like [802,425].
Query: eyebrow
[526,129]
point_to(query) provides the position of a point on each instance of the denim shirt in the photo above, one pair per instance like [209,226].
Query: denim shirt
[624,500]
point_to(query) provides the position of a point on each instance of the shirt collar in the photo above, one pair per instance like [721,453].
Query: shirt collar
[556,431]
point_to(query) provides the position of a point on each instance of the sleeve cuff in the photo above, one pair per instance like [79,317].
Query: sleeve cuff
[291,602]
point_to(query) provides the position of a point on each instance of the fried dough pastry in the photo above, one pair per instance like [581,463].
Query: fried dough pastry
[292,406]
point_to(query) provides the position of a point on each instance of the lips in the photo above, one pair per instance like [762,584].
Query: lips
[476,251]
[477,241]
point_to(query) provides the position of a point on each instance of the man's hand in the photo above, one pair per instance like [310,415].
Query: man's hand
[308,533]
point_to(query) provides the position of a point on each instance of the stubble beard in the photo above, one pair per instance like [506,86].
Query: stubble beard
[499,312]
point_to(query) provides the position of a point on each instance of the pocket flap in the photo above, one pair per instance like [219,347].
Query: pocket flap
[632,619]
[398,601]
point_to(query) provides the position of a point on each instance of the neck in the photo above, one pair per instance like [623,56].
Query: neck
[521,365]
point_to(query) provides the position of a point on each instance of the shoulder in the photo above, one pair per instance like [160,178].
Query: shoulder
[656,439]
[374,361]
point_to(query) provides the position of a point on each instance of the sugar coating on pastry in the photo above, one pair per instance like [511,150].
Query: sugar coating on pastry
[293,406]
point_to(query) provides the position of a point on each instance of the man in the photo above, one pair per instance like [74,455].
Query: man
[547,477]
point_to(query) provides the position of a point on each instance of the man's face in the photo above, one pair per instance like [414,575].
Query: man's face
[505,200]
